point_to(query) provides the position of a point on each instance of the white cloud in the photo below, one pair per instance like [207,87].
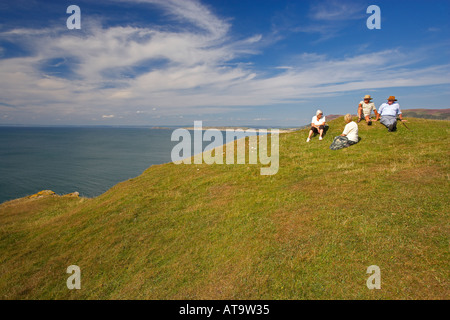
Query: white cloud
[121,95]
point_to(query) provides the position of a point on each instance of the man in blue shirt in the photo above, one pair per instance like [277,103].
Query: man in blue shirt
[389,112]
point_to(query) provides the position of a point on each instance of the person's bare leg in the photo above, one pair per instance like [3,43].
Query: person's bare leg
[369,122]
[309,136]
[321,132]
[359,114]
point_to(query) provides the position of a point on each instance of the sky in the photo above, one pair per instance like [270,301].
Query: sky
[223,62]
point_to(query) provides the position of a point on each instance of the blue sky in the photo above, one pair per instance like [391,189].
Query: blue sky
[225,62]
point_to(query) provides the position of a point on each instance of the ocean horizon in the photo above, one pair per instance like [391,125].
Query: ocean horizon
[85,159]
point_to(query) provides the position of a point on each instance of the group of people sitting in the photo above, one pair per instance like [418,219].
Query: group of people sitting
[387,111]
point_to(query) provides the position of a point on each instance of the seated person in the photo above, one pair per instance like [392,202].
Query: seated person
[317,125]
[389,112]
[348,137]
[365,108]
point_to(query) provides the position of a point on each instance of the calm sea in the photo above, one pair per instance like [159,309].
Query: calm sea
[87,160]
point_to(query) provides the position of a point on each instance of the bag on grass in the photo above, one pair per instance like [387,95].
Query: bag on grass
[339,142]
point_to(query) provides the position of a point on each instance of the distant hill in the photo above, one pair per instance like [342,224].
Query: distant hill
[437,114]
[330,117]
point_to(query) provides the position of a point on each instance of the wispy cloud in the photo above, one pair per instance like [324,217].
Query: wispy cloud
[333,10]
[325,18]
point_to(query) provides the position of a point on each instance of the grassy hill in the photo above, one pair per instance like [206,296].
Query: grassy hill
[227,232]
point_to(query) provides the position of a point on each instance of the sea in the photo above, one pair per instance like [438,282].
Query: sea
[89,160]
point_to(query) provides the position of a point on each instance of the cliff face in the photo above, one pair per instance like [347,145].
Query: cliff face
[227,232]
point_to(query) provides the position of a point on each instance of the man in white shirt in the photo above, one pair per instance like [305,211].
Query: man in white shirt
[317,125]
[389,112]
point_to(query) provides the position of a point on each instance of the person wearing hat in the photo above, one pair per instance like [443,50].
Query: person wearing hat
[317,125]
[389,112]
[365,108]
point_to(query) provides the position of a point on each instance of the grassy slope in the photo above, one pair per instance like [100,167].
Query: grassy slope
[226,232]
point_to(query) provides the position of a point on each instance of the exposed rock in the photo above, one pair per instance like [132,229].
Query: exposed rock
[46,193]
[72,195]
[42,193]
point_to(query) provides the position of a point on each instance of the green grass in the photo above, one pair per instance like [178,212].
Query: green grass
[226,232]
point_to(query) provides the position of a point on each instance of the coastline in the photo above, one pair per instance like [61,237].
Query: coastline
[284,130]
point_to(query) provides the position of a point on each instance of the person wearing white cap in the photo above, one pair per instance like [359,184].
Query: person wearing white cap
[365,108]
[317,125]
